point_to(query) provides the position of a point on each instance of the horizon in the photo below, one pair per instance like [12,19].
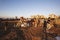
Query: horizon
[29,16]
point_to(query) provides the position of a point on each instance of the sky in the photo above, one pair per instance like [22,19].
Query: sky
[26,8]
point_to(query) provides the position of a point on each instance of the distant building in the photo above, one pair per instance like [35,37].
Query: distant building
[42,16]
[38,16]
[53,16]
